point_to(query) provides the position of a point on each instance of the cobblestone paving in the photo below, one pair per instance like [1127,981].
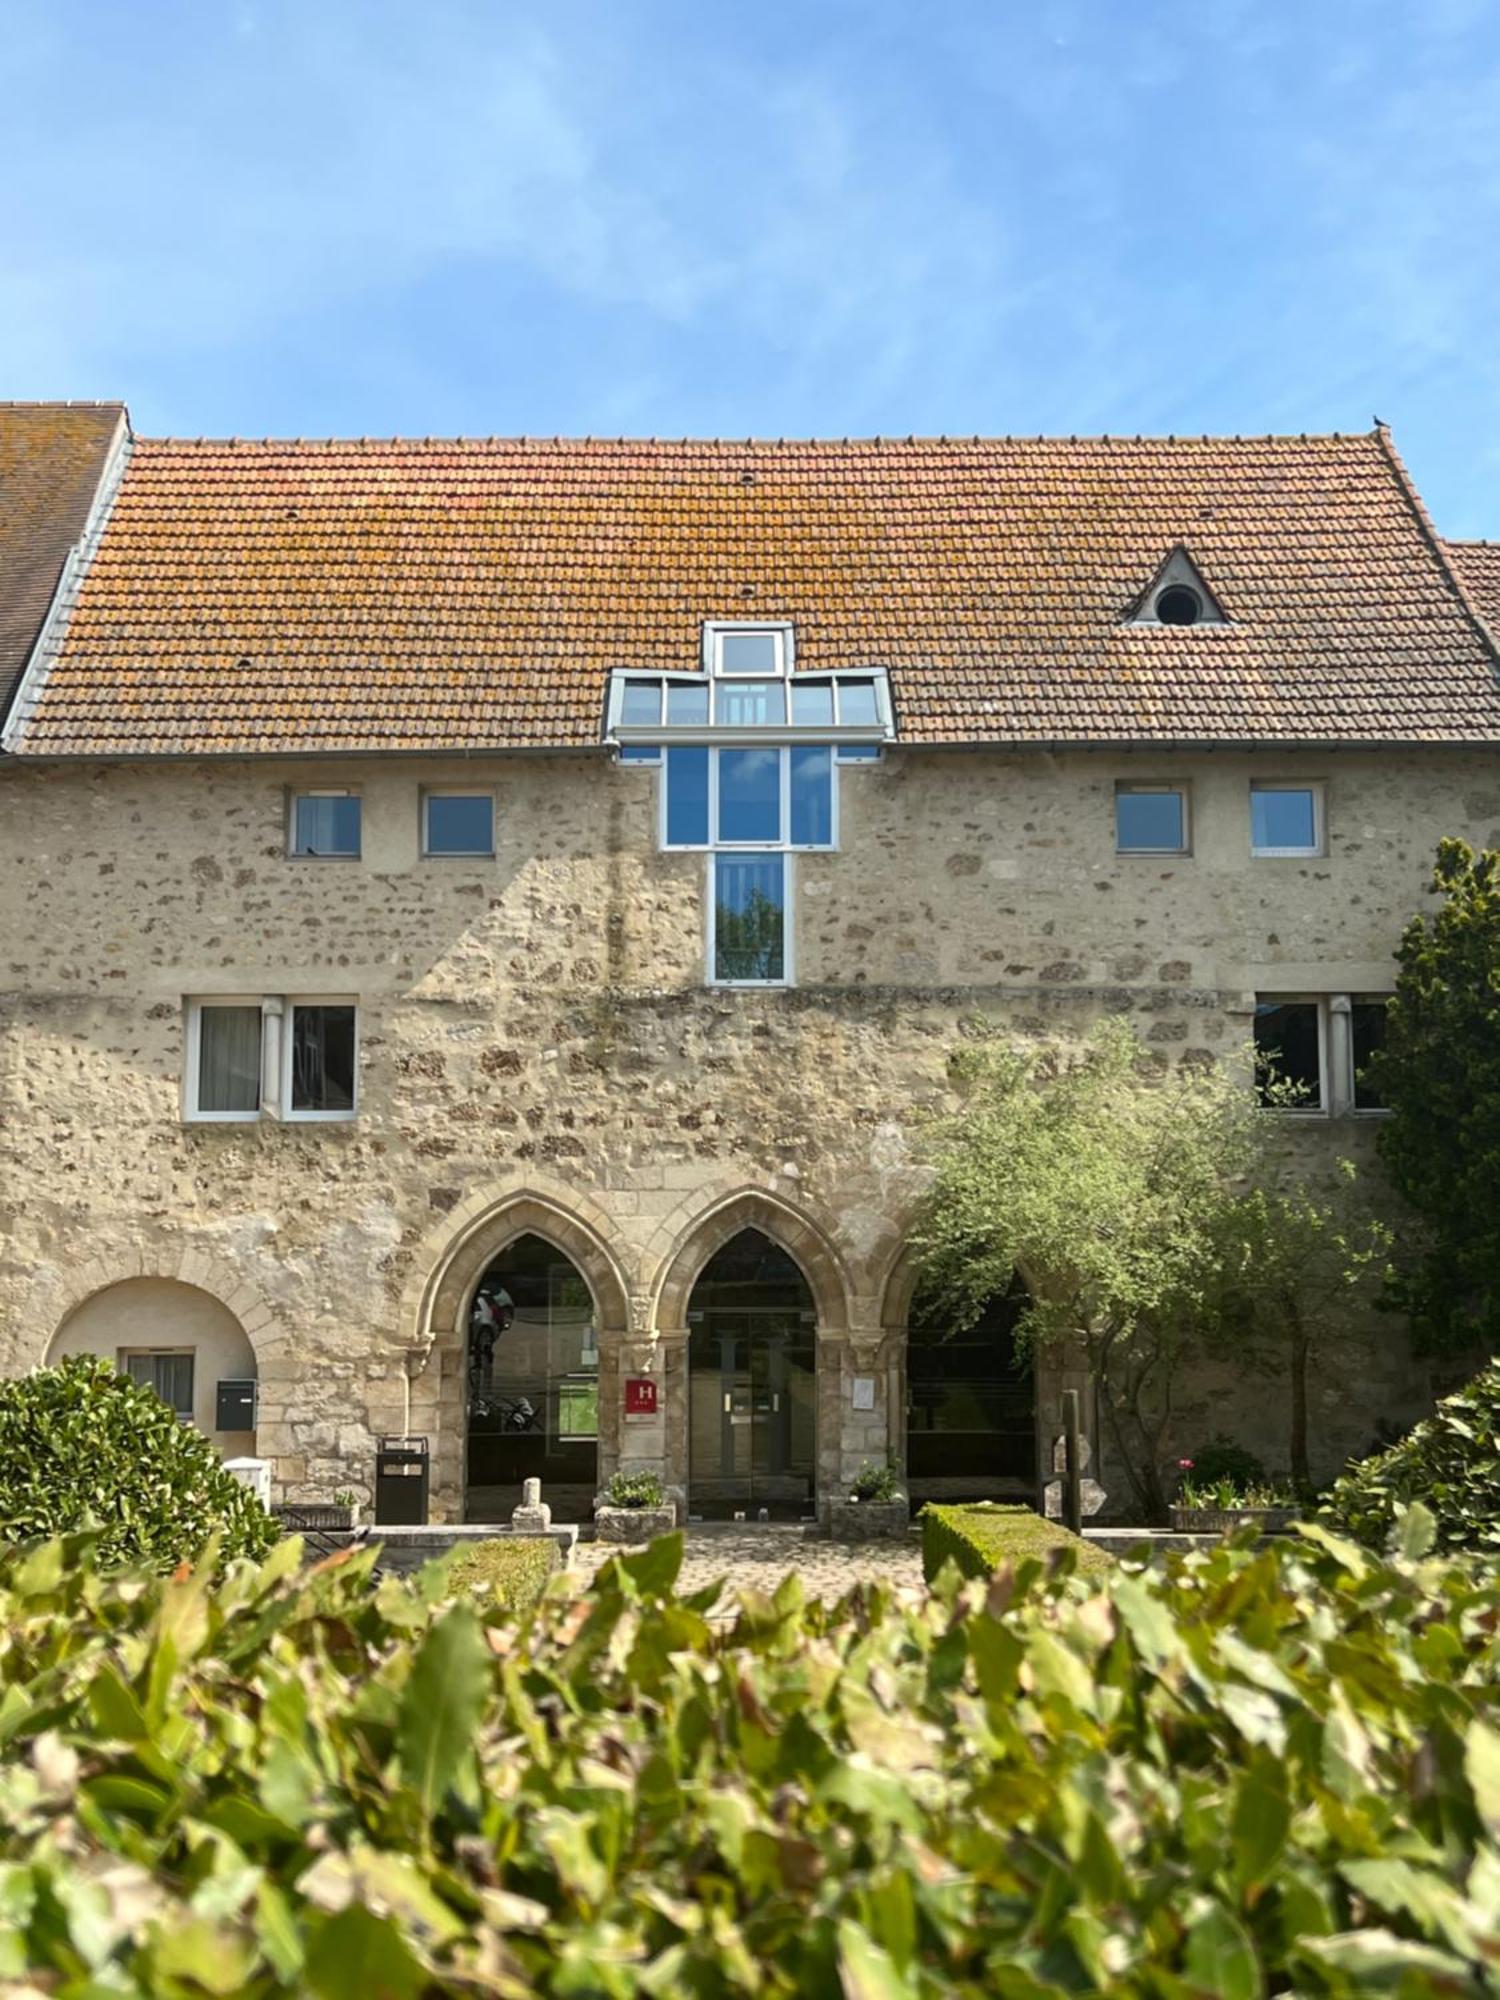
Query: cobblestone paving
[758,1558]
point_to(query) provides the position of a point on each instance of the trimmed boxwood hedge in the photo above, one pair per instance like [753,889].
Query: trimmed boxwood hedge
[1450,1463]
[1243,1771]
[82,1443]
[514,1571]
[980,1538]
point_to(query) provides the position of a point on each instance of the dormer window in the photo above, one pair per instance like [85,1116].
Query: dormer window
[747,649]
[1178,595]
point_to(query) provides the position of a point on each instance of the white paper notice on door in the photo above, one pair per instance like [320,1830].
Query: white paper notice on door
[864,1392]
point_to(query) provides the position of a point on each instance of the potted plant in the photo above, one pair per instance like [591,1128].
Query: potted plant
[1226,1487]
[633,1508]
[874,1508]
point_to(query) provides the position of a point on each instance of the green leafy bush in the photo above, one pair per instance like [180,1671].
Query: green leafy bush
[515,1571]
[1247,1771]
[1450,1462]
[982,1538]
[82,1442]
[1223,1459]
[634,1489]
[876,1482]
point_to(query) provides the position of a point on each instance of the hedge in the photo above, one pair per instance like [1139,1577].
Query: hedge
[1450,1463]
[515,1572]
[980,1539]
[1249,1771]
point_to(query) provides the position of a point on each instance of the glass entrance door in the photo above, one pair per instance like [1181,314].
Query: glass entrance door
[753,1418]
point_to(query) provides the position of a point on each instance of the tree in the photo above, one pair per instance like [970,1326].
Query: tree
[1298,1260]
[1114,1188]
[1439,1072]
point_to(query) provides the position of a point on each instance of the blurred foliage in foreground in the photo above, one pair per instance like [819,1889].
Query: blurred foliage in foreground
[1250,1771]
[1450,1463]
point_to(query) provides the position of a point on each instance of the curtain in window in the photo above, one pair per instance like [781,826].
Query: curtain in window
[229,1059]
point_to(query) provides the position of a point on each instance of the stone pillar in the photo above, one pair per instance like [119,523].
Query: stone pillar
[857,1386]
[1338,1092]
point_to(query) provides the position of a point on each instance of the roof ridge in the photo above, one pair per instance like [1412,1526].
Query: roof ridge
[1471,542]
[62,402]
[877,441]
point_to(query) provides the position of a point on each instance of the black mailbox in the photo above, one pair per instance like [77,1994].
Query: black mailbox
[235,1406]
[401,1479]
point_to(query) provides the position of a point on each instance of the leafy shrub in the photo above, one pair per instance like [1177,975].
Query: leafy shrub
[1246,1771]
[1226,1494]
[982,1538]
[82,1442]
[634,1489]
[515,1571]
[876,1482]
[1450,1462]
[1222,1460]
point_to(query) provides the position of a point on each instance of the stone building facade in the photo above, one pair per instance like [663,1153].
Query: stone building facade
[542,1055]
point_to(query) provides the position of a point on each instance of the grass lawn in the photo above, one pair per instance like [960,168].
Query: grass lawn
[514,1570]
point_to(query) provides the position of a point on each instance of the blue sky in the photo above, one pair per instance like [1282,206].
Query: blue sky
[780,217]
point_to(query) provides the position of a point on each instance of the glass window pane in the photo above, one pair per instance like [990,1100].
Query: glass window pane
[1287,1054]
[325,826]
[1283,818]
[687,796]
[229,1059]
[322,1059]
[461,825]
[687,703]
[812,795]
[640,704]
[749,916]
[174,1382]
[1367,1033]
[754,705]
[749,653]
[1148,822]
[859,753]
[812,703]
[857,702]
[640,753]
[749,795]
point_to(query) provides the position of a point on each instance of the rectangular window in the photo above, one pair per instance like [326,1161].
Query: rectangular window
[325,825]
[749,919]
[749,795]
[1286,820]
[687,704]
[224,1059]
[640,704]
[812,704]
[686,796]
[1366,1035]
[858,703]
[1150,819]
[1289,1054]
[319,1042]
[639,753]
[750,705]
[859,753]
[747,650]
[812,795]
[170,1375]
[458,823]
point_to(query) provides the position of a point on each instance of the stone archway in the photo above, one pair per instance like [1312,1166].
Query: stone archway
[435,1315]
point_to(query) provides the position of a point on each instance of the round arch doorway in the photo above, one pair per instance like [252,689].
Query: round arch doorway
[752,1374]
[532,1387]
[970,1403]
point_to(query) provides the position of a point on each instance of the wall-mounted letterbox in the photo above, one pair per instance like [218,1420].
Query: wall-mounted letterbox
[234,1406]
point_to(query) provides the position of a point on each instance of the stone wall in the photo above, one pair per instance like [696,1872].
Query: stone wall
[538,1051]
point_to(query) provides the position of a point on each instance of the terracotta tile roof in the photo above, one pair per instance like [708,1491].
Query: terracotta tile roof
[1478,567]
[51,457]
[427,595]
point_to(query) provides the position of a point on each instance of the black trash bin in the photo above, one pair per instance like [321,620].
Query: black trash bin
[401,1480]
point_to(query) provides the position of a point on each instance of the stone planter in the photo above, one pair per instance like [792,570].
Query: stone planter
[1220,1520]
[851,1520]
[633,1524]
[315,1518]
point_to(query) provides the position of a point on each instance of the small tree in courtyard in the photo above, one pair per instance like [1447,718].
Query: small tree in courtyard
[1439,1072]
[1115,1191]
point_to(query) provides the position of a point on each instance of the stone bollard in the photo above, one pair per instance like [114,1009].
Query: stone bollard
[533,1516]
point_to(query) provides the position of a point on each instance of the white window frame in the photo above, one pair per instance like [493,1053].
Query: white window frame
[785,843]
[656,734]
[126,1354]
[296,792]
[288,1038]
[781,630]
[1181,791]
[1322,1108]
[194,1056]
[1314,787]
[788,927]
[431,792]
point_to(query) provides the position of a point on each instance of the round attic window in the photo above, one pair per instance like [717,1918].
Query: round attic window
[1179,605]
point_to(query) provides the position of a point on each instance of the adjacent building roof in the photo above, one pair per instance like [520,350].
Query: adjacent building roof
[475,594]
[1478,565]
[52,457]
